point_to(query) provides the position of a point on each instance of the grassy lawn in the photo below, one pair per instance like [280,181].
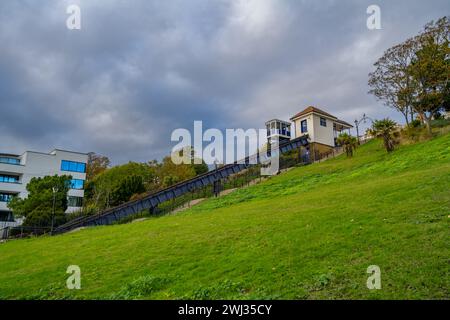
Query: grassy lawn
[309,233]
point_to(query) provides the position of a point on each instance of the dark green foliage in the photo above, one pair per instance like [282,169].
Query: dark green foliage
[128,187]
[38,206]
[110,186]
[413,77]
[201,168]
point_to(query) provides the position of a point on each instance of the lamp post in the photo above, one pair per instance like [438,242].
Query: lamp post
[55,191]
[358,122]
[216,181]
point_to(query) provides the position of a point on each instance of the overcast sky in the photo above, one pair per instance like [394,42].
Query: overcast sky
[137,70]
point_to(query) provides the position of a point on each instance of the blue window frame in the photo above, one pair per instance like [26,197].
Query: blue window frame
[77,184]
[9,179]
[73,166]
[8,160]
[323,122]
[304,126]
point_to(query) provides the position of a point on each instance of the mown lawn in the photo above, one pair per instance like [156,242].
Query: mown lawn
[307,234]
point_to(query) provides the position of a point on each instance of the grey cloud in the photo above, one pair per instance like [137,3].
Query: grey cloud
[139,69]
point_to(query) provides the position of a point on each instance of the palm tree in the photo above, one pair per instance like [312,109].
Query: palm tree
[348,142]
[386,129]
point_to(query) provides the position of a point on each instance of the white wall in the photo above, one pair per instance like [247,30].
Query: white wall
[310,126]
[322,134]
[35,164]
[316,132]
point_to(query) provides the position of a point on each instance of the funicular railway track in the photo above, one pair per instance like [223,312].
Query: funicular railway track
[152,200]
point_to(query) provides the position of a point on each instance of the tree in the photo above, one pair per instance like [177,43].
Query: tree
[348,142]
[430,70]
[99,191]
[37,208]
[387,130]
[126,189]
[170,173]
[391,82]
[413,77]
[96,165]
[191,157]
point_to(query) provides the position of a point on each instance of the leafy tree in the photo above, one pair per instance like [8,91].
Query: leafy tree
[126,189]
[99,191]
[37,208]
[190,152]
[96,165]
[201,168]
[111,186]
[348,142]
[430,70]
[388,131]
[170,180]
[170,173]
[391,82]
[413,77]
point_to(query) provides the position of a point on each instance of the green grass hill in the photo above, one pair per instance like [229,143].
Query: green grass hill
[306,234]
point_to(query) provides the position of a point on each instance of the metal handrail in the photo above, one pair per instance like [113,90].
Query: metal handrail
[190,184]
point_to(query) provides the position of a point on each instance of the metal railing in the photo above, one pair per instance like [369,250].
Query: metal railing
[151,201]
[20,232]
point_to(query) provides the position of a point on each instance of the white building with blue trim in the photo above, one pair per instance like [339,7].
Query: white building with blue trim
[16,171]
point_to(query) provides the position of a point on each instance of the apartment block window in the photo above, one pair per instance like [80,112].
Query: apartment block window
[77,184]
[323,122]
[304,126]
[74,202]
[6,197]
[8,160]
[9,179]
[73,166]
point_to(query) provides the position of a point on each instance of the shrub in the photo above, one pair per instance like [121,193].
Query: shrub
[388,131]
[348,142]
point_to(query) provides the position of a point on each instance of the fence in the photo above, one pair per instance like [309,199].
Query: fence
[22,232]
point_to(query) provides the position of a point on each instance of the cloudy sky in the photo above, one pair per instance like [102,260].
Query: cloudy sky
[137,70]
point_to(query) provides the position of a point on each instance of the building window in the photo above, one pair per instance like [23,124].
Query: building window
[6,197]
[77,184]
[9,179]
[73,166]
[6,216]
[323,122]
[10,160]
[304,126]
[74,202]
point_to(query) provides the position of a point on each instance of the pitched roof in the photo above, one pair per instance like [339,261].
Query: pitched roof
[344,123]
[311,109]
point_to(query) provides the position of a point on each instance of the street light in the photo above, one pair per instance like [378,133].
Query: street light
[55,191]
[216,180]
[358,122]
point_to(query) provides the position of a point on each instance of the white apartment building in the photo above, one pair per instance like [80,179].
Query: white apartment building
[16,171]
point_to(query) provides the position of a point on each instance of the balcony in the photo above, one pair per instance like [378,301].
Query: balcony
[12,168]
[16,187]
